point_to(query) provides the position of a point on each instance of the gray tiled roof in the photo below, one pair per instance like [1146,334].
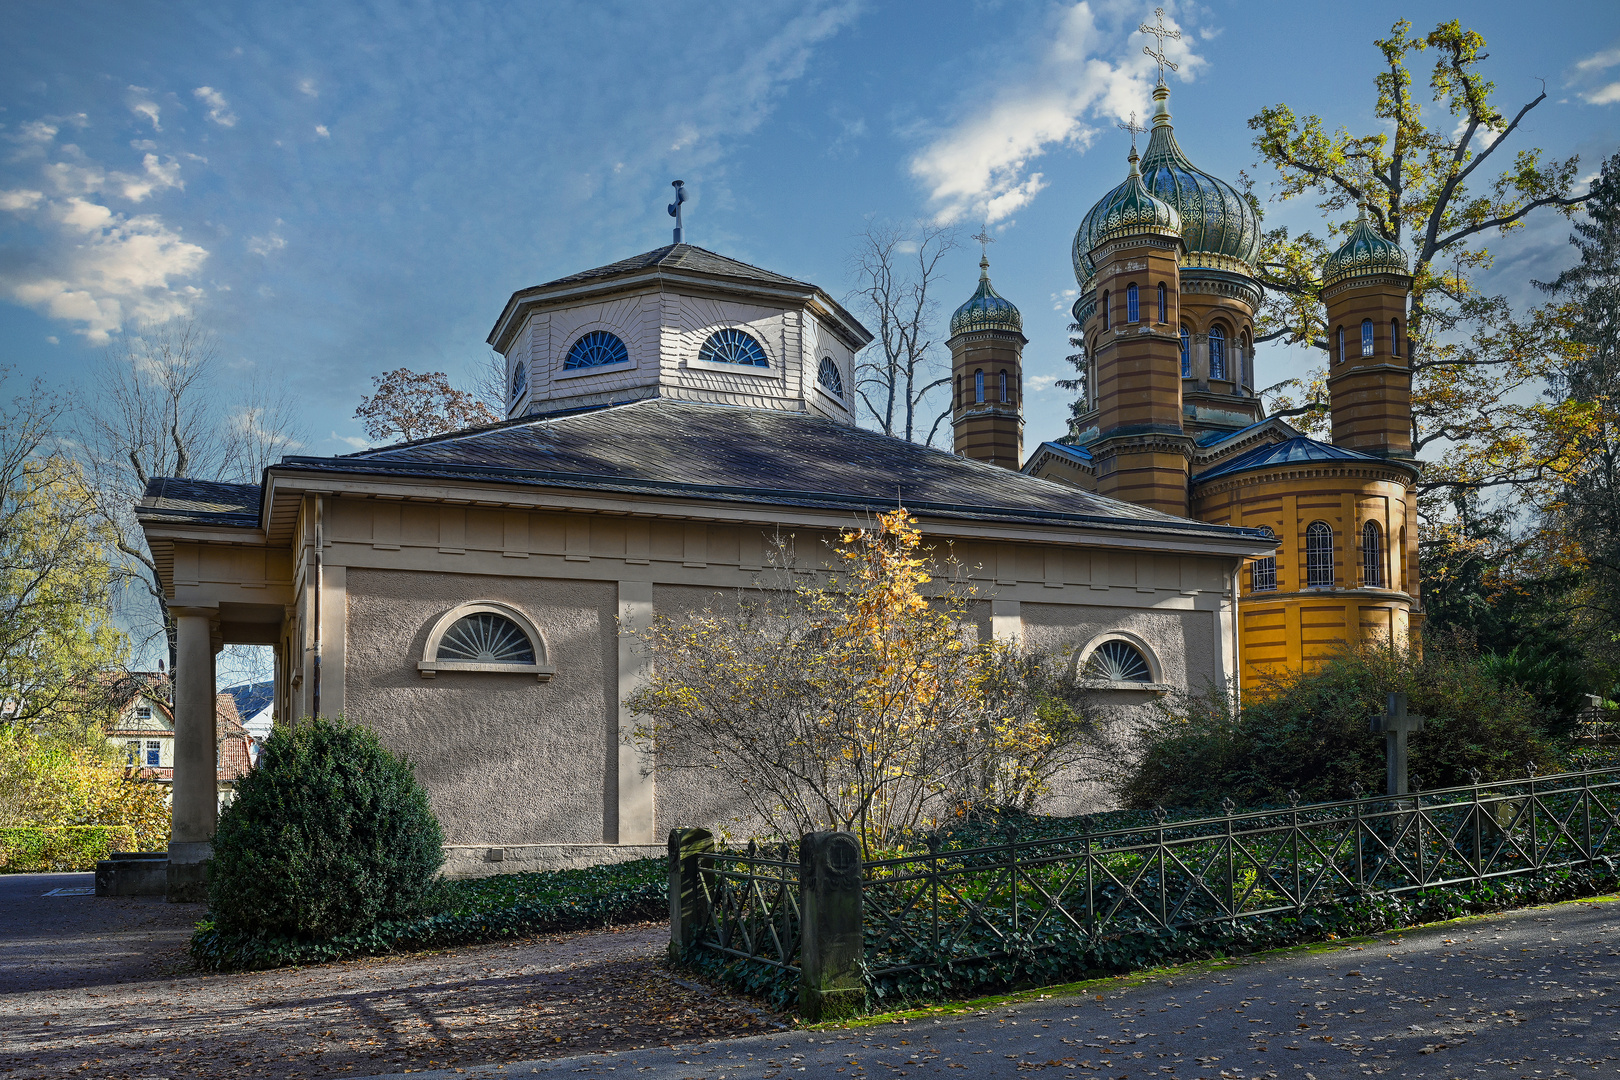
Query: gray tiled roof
[203,500]
[676,257]
[757,456]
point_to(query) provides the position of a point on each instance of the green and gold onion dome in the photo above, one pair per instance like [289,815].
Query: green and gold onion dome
[986,310]
[1218,226]
[1363,254]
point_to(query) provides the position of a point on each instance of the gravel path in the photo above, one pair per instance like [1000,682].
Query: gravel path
[101,988]
[1530,994]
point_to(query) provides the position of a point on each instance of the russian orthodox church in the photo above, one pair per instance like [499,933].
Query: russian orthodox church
[1171,419]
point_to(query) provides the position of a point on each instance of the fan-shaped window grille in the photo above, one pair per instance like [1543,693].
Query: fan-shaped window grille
[596,349]
[1318,556]
[486,638]
[730,346]
[1186,354]
[1263,572]
[1164,307]
[520,382]
[978,388]
[1133,304]
[1372,556]
[829,378]
[1366,337]
[1118,661]
[1217,353]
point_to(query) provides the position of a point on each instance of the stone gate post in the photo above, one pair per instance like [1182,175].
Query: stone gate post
[831,949]
[687,907]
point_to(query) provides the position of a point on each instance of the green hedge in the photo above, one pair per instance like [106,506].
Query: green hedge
[36,848]
[469,912]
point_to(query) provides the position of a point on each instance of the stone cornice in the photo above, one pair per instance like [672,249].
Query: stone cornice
[1389,473]
[968,337]
[1370,281]
[1347,368]
[1169,442]
[1215,283]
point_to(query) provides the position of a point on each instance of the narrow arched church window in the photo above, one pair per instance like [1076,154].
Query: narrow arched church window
[520,381]
[1246,359]
[1133,304]
[1104,308]
[1372,556]
[1366,337]
[1004,397]
[1263,572]
[1186,354]
[1340,335]
[978,388]
[1217,352]
[596,349]
[1164,307]
[1394,337]
[1318,556]
[830,378]
[731,346]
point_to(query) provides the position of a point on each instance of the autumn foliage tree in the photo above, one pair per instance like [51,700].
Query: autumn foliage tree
[861,702]
[1439,173]
[406,405]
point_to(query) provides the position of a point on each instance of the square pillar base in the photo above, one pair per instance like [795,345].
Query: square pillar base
[188,872]
[817,1006]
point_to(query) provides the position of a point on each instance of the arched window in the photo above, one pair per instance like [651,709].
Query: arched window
[1366,337]
[1186,354]
[828,377]
[1394,337]
[1247,348]
[1133,304]
[596,349]
[1401,554]
[1164,305]
[1118,661]
[485,636]
[1340,334]
[978,388]
[1004,395]
[1104,308]
[1217,352]
[1263,572]
[1372,556]
[520,381]
[730,346]
[1318,556]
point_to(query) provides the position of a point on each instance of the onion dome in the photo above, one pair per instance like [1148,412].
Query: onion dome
[1219,227]
[1364,253]
[1129,210]
[986,310]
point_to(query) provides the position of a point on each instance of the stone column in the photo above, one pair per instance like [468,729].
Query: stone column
[637,788]
[196,785]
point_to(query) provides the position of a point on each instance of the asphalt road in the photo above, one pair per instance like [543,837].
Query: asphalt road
[1530,994]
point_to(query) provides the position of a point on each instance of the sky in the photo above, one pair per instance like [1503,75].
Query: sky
[337,189]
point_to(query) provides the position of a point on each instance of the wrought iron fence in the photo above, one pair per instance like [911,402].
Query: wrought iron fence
[943,905]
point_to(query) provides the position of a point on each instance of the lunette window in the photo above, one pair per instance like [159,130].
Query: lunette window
[596,349]
[1118,661]
[520,382]
[830,378]
[731,346]
[1318,556]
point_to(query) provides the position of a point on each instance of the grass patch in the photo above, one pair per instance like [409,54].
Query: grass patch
[466,912]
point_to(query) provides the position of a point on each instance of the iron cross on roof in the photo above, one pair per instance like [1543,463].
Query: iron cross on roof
[1396,723]
[1133,127]
[984,238]
[1162,33]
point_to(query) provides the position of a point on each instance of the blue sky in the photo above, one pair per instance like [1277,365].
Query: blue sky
[338,189]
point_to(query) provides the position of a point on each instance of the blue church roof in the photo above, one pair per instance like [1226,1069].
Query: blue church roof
[1296,451]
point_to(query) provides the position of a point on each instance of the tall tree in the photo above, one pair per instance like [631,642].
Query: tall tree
[897,270]
[408,405]
[1439,185]
[157,407]
[57,638]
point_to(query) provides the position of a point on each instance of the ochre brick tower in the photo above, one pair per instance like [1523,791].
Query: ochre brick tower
[987,372]
[1365,286]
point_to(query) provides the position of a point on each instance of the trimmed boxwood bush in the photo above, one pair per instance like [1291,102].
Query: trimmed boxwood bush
[329,834]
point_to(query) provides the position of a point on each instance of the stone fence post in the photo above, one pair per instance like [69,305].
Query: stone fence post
[831,949]
[688,909]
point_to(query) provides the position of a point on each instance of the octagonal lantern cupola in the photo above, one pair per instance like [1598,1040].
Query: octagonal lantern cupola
[987,351]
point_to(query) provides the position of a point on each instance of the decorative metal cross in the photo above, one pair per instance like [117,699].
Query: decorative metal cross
[1162,33]
[984,238]
[1396,723]
[1133,127]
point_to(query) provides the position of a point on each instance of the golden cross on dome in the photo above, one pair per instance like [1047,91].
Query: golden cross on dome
[1162,33]
[1133,127]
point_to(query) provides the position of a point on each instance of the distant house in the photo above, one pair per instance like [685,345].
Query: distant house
[255,704]
[143,732]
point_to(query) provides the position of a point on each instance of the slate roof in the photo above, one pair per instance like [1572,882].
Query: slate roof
[202,501]
[754,456]
[1296,451]
[675,257]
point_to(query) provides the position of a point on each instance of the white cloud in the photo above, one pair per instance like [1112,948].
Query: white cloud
[321,130]
[307,88]
[1039,383]
[141,104]
[264,245]
[1603,95]
[38,131]
[79,176]
[53,339]
[219,110]
[20,199]
[352,440]
[981,168]
[1608,58]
